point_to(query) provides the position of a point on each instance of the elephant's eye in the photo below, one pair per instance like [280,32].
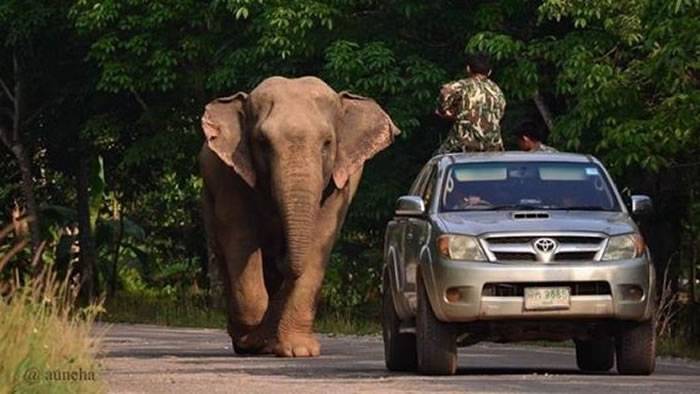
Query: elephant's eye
[326,145]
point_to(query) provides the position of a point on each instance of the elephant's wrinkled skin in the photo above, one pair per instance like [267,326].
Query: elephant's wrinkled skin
[280,168]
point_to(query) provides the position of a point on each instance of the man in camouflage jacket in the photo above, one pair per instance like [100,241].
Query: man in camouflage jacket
[476,105]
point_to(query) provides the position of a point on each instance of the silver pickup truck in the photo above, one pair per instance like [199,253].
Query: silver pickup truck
[515,246]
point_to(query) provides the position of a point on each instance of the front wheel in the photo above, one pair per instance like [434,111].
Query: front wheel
[636,348]
[399,348]
[436,343]
[597,355]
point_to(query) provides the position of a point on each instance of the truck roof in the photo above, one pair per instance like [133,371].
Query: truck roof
[480,157]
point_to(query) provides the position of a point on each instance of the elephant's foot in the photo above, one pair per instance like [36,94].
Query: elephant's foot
[256,342]
[296,345]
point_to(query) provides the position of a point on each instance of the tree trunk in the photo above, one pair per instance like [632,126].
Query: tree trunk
[119,236]
[25,168]
[12,139]
[543,109]
[693,250]
[88,254]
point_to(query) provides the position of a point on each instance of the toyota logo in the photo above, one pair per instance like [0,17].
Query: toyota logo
[545,245]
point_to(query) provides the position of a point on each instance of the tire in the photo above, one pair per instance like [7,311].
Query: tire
[436,343]
[399,348]
[597,355]
[636,348]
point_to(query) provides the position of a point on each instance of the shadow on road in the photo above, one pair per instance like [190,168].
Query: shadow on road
[523,371]
[168,352]
[306,371]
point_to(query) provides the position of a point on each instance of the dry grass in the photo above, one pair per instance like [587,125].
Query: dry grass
[46,344]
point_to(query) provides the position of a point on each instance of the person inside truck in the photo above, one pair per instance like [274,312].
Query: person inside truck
[530,138]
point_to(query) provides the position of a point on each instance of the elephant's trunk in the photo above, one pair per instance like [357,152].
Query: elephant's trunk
[299,199]
[299,214]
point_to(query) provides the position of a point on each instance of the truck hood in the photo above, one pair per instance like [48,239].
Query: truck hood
[481,222]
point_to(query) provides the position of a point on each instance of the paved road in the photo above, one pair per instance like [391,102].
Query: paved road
[152,359]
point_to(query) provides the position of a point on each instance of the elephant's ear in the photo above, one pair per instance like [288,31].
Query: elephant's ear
[364,129]
[223,124]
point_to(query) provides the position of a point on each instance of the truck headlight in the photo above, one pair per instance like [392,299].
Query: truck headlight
[622,247]
[460,247]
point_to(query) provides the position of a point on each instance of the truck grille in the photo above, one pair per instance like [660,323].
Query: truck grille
[544,248]
[574,256]
[505,256]
[518,289]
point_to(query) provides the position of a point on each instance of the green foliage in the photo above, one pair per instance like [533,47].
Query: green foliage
[351,287]
[620,78]
[626,72]
[20,20]
[405,84]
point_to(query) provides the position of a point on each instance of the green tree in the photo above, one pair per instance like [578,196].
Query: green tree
[614,78]
[27,32]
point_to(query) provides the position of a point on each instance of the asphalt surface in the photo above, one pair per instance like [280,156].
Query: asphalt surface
[154,359]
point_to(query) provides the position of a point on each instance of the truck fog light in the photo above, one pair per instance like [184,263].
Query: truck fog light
[453,295]
[632,293]
[457,294]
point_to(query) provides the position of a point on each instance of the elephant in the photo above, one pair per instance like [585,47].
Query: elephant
[280,167]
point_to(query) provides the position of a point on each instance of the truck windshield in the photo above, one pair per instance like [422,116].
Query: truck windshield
[527,185]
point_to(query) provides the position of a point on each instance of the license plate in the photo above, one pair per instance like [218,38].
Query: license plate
[539,298]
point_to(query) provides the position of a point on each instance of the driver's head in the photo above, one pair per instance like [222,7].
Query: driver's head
[478,64]
[529,135]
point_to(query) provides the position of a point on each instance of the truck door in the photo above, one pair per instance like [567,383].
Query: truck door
[401,225]
[417,231]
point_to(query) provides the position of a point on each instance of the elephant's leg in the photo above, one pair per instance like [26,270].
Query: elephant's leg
[246,294]
[240,260]
[259,340]
[295,336]
[272,274]
[300,292]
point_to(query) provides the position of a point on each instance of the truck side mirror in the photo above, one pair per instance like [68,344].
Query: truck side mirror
[410,206]
[641,205]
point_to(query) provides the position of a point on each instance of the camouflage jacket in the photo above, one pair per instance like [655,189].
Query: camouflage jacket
[477,105]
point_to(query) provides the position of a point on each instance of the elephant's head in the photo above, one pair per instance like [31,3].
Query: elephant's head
[293,137]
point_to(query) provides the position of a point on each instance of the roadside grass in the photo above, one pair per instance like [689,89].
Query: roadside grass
[46,344]
[338,324]
[678,347]
[171,311]
[194,312]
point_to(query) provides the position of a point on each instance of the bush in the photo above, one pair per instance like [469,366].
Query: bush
[352,284]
